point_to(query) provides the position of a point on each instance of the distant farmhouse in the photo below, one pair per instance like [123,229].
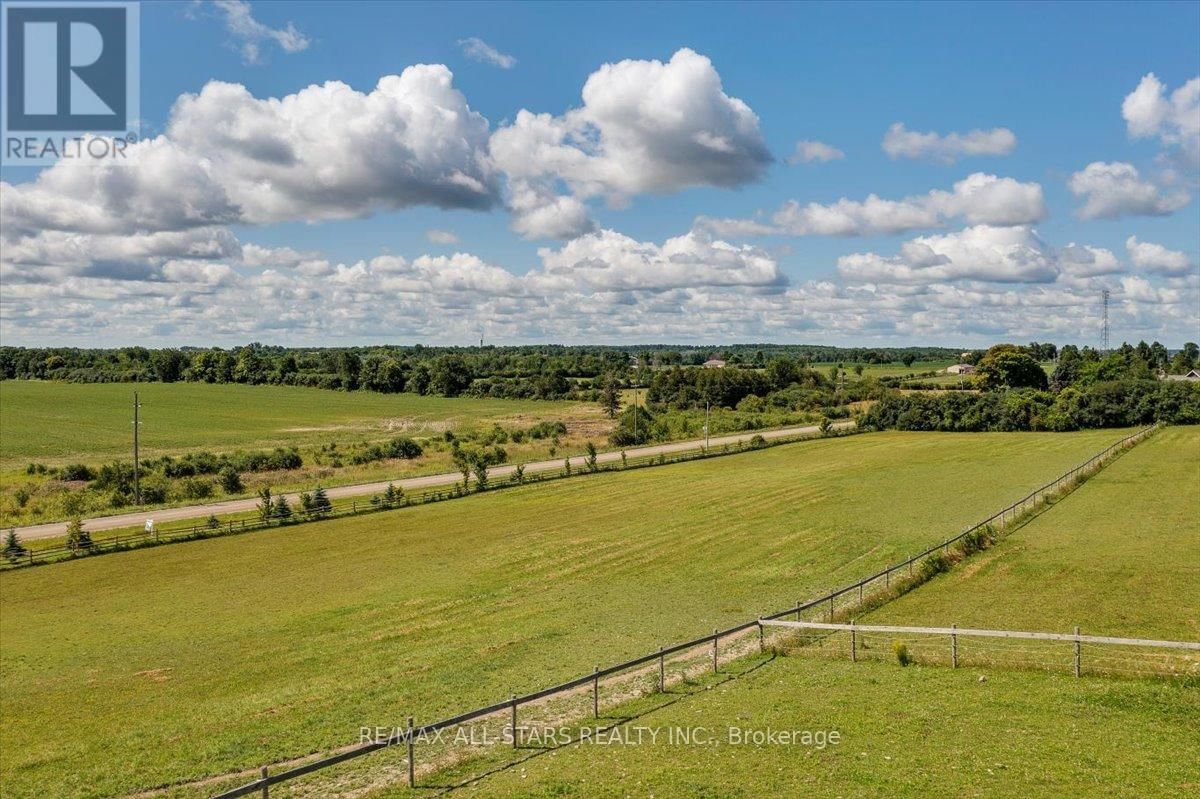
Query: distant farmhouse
[1190,376]
[960,369]
[714,363]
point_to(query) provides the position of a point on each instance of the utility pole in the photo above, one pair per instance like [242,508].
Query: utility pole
[635,415]
[706,404]
[1104,329]
[137,488]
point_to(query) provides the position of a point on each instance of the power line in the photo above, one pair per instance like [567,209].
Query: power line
[1104,330]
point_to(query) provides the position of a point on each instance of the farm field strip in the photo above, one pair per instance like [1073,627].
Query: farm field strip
[498,473]
[57,422]
[1119,556]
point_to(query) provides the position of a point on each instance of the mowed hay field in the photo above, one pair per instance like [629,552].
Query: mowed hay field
[52,422]
[1120,556]
[910,733]
[157,666]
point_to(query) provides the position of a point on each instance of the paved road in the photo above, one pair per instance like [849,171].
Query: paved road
[162,515]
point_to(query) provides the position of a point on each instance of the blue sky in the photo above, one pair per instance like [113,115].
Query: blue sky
[597,267]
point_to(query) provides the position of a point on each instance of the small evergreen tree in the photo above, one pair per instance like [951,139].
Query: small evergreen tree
[265,507]
[518,475]
[392,496]
[78,539]
[591,461]
[282,510]
[567,467]
[13,550]
[320,502]
[306,503]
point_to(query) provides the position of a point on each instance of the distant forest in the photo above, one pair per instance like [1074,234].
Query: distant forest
[1008,390]
[535,371]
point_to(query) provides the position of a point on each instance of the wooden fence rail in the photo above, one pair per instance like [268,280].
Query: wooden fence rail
[976,633]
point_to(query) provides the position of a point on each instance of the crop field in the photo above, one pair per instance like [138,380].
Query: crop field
[54,421]
[1119,556]
[904,732]
[171,664]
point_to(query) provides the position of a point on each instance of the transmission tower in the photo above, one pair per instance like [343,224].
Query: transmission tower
[1104,328]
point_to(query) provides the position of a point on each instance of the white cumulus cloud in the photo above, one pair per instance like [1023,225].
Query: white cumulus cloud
[900,142]
[1112,190]
[610,261]
[644,127]
[978,199]
[981,252]
[808,151]
[1147,256]
[1175,121]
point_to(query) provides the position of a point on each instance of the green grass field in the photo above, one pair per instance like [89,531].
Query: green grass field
[52,422]
[915,732]
[156,666]
[1119,556]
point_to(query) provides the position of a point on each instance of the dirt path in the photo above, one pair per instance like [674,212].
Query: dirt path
[160,515]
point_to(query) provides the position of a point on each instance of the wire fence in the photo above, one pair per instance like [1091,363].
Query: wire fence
[671,664]
[960,646]
[97,544]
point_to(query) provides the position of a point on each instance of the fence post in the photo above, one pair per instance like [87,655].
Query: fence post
[514,721]
[853,643]
[799,602]
[412,769]
[1077,651]
[954,647]
[715,636]
[887,578]
[662,682]
[762,645]
[831,608]
[266,788]
[596,693]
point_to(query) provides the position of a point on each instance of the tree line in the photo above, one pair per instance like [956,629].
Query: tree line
[1085,390]
[540,372]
